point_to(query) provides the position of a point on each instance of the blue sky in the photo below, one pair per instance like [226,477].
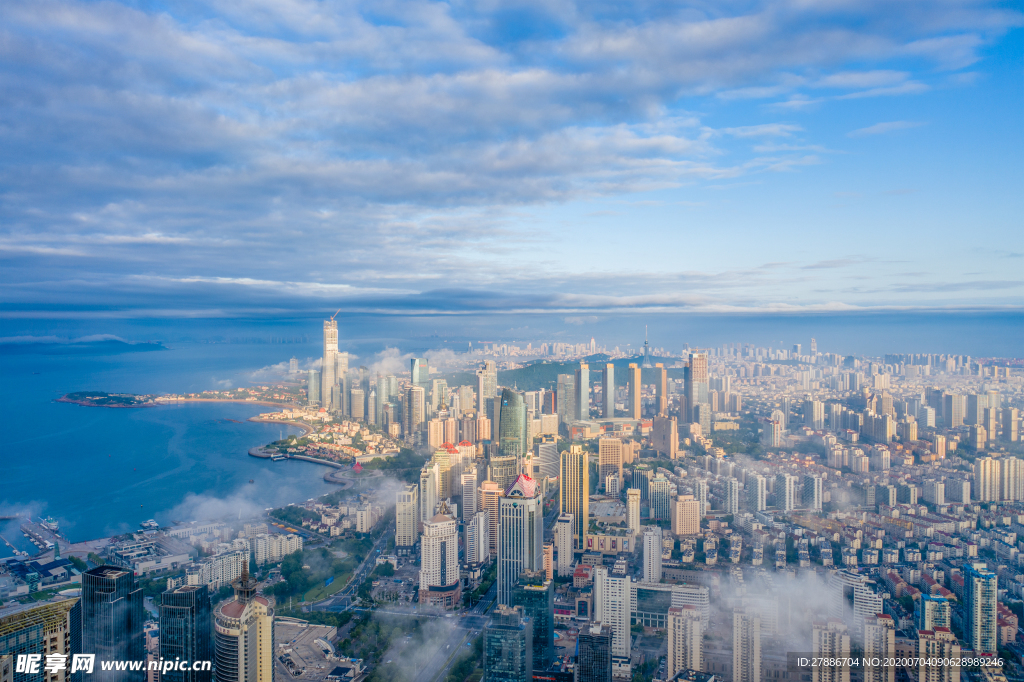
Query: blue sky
[237,157]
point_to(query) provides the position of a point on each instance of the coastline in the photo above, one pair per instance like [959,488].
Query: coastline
[160,401]
[306,428]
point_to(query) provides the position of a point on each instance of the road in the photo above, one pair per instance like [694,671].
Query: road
[451,647]
[342,599]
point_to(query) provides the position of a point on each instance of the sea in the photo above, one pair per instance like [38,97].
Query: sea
[101,471]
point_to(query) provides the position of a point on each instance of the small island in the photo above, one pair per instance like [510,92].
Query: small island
[101,399]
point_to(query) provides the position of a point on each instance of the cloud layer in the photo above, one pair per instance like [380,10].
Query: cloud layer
[212,158]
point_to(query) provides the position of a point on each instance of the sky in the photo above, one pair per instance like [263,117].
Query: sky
[247,157]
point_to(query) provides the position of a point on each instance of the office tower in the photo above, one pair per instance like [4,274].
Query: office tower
[546,460]
[520,534]
[652,554]
[313,387]
[642,480]
[477,542]
[594,657]
[420,373]
[702,416]
[756,493]
[574,492]
[852,599]
[695,383]
[357,404]
[608,391]
[513,434]
[370,414]
[414,411]
[814,414]
[112,617]
[662,388]
[987,473]
[329,366]
[54,629]
[1011,424]
[470,495]
[566,398]
[880,646]
[548,548]
[665,436]
[633,510]
[407,519]
[980,600]
[633,406]
[814,347]
[438,394]
[830,641]
[746,646]
[812,497]
[952,410]
[439,573]
[685,640]
[685,515]
[503,469]
[429,492]
[582,398]
[535,593]
[490,501]
[940,644]
[732,496]
[244,635]
[609,457]
[659,492]
[700,492]
[564,528]
[508,646]
[186,631]
[486,387]
[612,597]
[785,492]
[932,612]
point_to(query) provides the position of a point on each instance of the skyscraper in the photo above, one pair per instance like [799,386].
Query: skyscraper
[746,646]
[700,492]
[932,612]
[513,431]
[420,373]
[486,388]
[53,628]
[608,391]
[564,543]
[880,646]
[756,493]
[695,383]
[665,436]
[612,596]
[938,644]
[659,491]
[594,658]
[430,491]
[633,406]
[814,414]
[732,496]
[980,600]
[582,385]
[830,641]
[852,599]
[407,519]
[685,515]
[812,493]
[186,631]
[535,593]
[414,412]
[652,554]
[565,395]
[313,387]
[520,534]
[685,640]
[439,575]
[329,366]
[785,492]
[508,646]
[609,457]
[244,635]
[574,492]
[661,374]
[112,617]
[633,510]
[490,502]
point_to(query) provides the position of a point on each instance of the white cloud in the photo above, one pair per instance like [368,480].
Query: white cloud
[882,128]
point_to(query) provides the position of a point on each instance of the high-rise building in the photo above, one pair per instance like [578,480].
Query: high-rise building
[937,644]
[987,472]
[953,410]
[814,414]
[313,387]
[520,534]
[932,612]
[414,411]
[732,496]
[503,469]
[486,388]
[477,544]
[700,492]
[594,657]
[564,527]
[812,495]
[574,492]
[695,384]
[244,635]
[746,646]
[470,495]
[186,631]
[535,593]
[430,491]
[582,386]
[661,389]
[1010,424]
[548,548]
[830,641]
[685,640]
[439,573]
[633,406]
[407,519]
[565,394]
[665,436]
[756,493]
[785,492]
[652,554]
[980,600]
[612,597]
[609,457]
[329,364]
[420,372]
[702,416]
[659,491]
[508,646]
[47,629]
[880,647]
[112,618]
[608,391]
[633,511]
[490,502]
[513,431]
[852,599]
[357,404]
[685,515]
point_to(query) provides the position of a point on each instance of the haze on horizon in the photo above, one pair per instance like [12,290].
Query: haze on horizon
[182,159]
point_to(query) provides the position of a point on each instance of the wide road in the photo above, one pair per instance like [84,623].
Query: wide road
[454,644]
[343,597]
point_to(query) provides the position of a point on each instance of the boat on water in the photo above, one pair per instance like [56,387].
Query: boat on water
[50,524]
[150,525]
